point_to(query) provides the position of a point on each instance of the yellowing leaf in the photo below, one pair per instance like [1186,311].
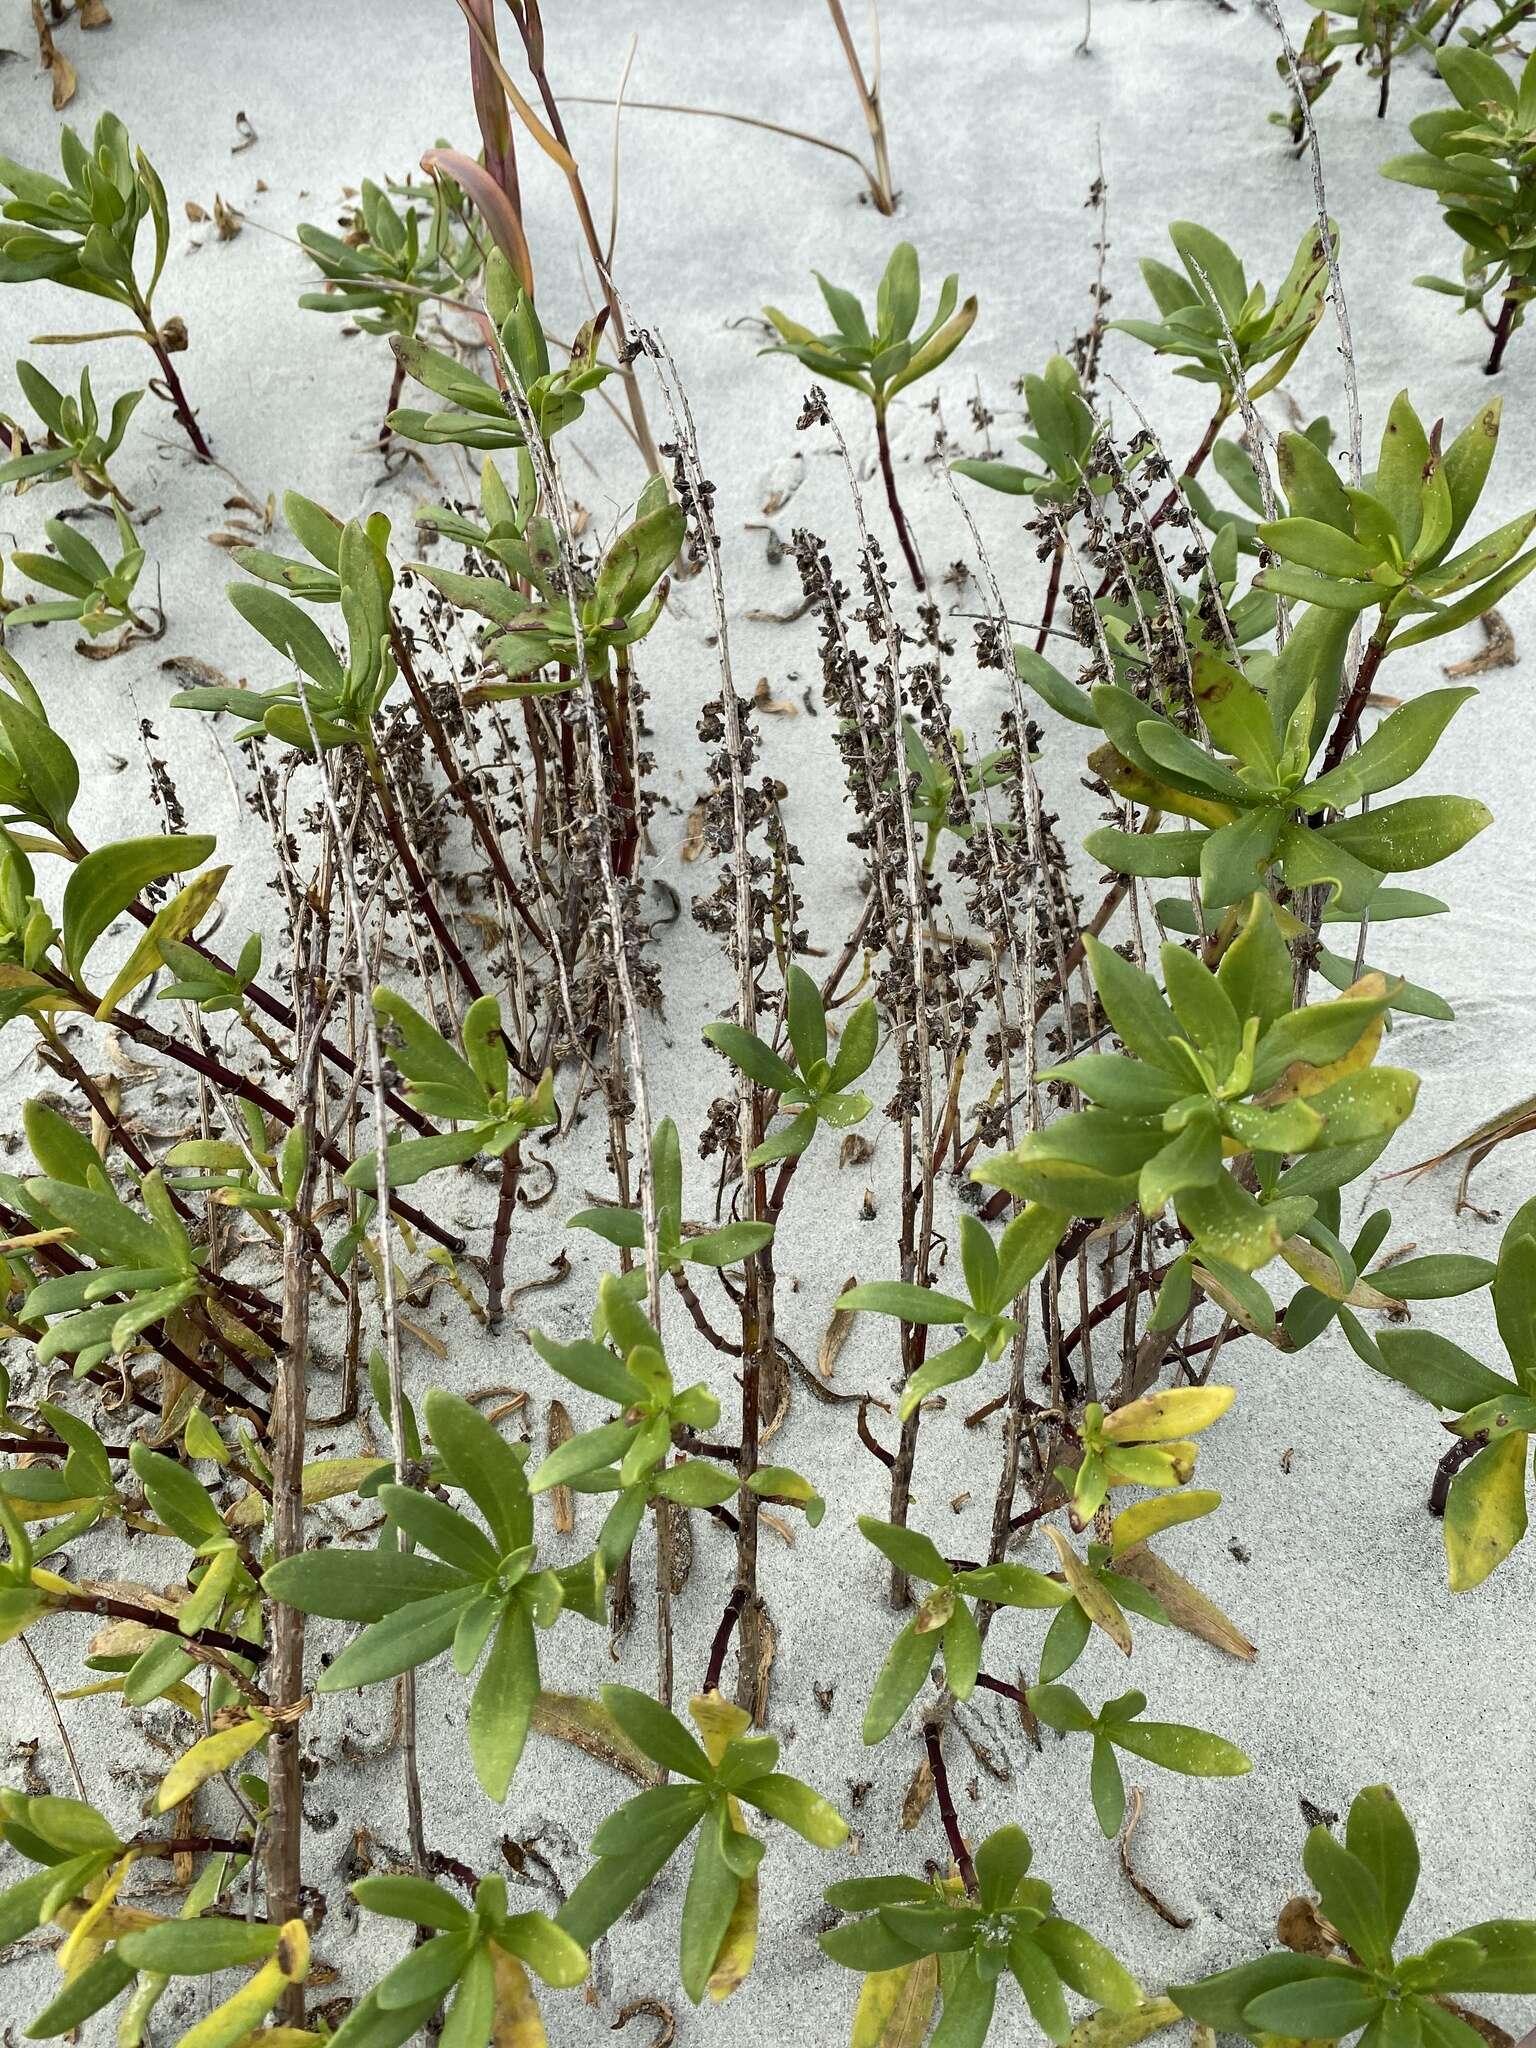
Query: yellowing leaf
[88,1937]
[739,1948]
[1091,1596]
[207,1758]
[1144,1518]
[177,919]
[895,2006]
[588,1726]
[516,2022]
[1106,2029]
[1157,1418]
[325,1478]
[1485,1514]
[231,2023]
[1303,1080]
[718,1722]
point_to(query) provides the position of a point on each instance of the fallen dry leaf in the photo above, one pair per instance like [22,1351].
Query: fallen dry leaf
[562,1501]
[693,831]
[588,1726]
[835,1336]
[764,700]
[914,1801]
[1498,649]
[1138,1883]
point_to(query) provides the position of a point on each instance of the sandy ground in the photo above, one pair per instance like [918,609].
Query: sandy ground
[1368,1669]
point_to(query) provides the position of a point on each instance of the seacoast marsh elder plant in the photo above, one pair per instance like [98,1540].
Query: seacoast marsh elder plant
[1124,1092]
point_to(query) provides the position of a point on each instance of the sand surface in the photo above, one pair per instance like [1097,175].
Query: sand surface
[1368,1669]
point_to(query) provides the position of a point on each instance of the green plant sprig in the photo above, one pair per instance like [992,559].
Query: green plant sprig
[881,357]
[1365,1885]
[1009,1928]
[76,443]
[82,231]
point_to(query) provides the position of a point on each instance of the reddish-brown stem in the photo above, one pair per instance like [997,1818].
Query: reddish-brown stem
[1191,468]
[1348,721]
[186,419]
[417,884]
[501,1231]
[531,30]
[718,1647]
[214,1070]
[1009,1692]
[1457,1456]
[460,786]
[1052,592]
[396,386]
[1501,334]
[285,1823]
[888,472]
[960,1854]
[701,1322]
[191,1845]
[107,1608]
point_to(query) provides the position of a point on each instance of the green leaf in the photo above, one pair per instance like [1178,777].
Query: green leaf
[1514,1294]
[425,1973]
[358,1585]
[440,1529]
[105,882]
[485,1465]
[1233,858]
[1002,1863]
[85,1993]
[503,1702]
[907,1549]
[1433,1278]
[1507,1963]
[898,1682]
[196,1948]
[1191,1751]
[658,1733]
[1379,1837]
[756,1060]
[1059,1707]
[291,631]
[1319,2006]
[1398,748]
[411,1898]
[473,2011]
[412,1635]
[1415,832]
[1053,688]
[1087,1965]
[813,1818]
[1135,1007]
[1350,1896]
[1435,1368]
[897,302]
[1106,1787]
[922,1305]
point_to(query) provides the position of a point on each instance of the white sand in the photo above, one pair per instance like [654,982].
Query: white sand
[1368,1670]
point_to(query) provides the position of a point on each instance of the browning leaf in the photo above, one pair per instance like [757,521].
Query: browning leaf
[562,1501]
[1187,1607]
[588,1726]
[914,1801]
[835,1336]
